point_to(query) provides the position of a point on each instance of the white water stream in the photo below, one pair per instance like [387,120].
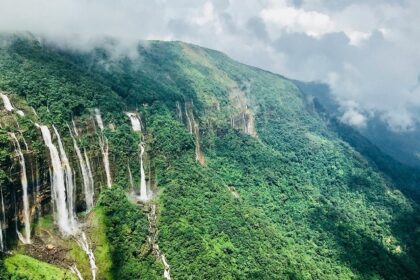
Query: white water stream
[2,247]
[64,217]
[26,238]
[103,142]
[135,121]
[8,105]
[143,186]
[70,186]
[86,176]
[62,197]
[84,244]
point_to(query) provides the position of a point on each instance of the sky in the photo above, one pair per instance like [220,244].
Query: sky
[367,51]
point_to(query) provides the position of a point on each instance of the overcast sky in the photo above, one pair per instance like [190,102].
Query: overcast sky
[367,51]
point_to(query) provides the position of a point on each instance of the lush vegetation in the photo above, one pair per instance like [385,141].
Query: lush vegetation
[21,267]
[294,201]
[126,229]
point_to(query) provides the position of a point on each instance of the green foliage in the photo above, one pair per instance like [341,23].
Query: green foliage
[126,230]
[23,267]
[294,202]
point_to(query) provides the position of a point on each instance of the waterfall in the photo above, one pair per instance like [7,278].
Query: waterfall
[3,222]
[103,143]
[136,125]
[179,111]
[37,189]
[8,105]
[63,217]
[64,210]
[152,239]
[75,128]
[90,174]
[68,174]
[130,176]
[26,239]
[143,186]
[1,238]
[76,271]
[135,121]
[99,119]
[84,244]
[195,130]
[87,180]
[190,127]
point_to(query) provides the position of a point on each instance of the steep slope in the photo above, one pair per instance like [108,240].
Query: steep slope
[401,145]
[248,181]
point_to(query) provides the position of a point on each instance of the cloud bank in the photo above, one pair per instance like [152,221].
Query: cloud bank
[367,51]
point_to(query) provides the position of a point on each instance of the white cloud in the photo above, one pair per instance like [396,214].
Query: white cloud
[366,50]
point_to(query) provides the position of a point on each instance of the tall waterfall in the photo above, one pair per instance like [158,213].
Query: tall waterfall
[86,176]
[136,125]
[103,142]
[63,201]
[89,170]
[189,124]
[26,239]
[2,222]
[194,129]
[135,121]
[63,216]
[130,176]
[143,186]
[1,238]
[70,186]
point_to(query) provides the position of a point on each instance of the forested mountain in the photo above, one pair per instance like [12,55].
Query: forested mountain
[403,146]
[180,163]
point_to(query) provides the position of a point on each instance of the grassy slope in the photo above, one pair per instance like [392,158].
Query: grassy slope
[26,267]
[309,207]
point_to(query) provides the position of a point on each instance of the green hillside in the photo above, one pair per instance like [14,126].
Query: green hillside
[249,180]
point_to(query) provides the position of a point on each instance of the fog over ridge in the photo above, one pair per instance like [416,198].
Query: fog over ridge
[366,51]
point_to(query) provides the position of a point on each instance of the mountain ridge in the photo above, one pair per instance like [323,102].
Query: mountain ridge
[278,195]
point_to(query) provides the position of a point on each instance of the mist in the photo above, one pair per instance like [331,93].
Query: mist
[366,52]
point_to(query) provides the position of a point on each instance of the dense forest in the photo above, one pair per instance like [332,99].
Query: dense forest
[247,178]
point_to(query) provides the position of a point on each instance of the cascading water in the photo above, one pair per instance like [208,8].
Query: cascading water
[84,244]
[65,217]
[103,142]
[3,222]
[99,119]
[1,238]
[194,129]
[151,216]
[76,271]
[135,121]
[143,186]
[89,170]
[189,124]
[8,105]
[26,238]
[136,125]
[70,187]
[87,180]
[130,176]
[58,189]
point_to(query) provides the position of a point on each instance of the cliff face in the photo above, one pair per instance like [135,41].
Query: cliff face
[224,171]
